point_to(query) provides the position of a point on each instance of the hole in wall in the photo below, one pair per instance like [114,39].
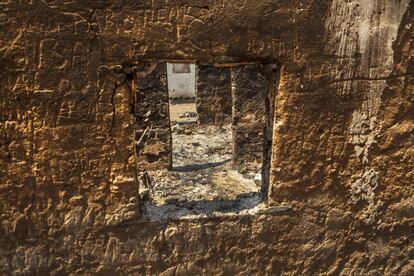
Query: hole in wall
[221,122]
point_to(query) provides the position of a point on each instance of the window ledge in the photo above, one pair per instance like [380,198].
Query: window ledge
[247,206]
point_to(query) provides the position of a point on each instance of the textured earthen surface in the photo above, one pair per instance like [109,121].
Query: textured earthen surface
[249,91]
[342,149]
[213,94]
[153,130]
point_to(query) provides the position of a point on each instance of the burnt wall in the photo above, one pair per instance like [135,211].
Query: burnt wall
[152,117]
[250,87]
[213,94]
[342,148]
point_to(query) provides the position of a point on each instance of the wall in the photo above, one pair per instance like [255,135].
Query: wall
[181,85]
[152,117]
[250,86]
[213,90]
[342,149]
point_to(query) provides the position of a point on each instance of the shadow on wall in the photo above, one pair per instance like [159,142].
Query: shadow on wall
[197,208]
[197,167]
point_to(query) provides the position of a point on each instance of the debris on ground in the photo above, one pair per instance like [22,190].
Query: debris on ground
[188,115]
[202,165]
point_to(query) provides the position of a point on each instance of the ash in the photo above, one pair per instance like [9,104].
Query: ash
[202,178]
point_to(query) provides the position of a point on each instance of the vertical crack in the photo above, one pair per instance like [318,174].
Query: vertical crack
[113,110]
[113,105]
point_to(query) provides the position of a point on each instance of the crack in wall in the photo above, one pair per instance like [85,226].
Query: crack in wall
[113,109]
[365,29]
[392,77]
[369,36]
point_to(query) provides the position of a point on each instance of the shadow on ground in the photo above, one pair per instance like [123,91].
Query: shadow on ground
[197,167]
[200,208]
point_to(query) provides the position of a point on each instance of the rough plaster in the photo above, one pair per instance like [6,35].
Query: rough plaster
[69,205]
[213,94]
[365,47]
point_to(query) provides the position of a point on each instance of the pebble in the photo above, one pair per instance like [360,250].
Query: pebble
[188,114]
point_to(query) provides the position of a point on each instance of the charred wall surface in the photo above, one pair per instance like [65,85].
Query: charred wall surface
[249,91]
[153,130]
[213,94]
[342,148]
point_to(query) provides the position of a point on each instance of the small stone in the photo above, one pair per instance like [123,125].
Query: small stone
[258,179]
[176,128]
[144,194]
[189,114]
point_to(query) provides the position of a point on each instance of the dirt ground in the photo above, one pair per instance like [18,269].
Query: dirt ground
[202,164]
[178,109]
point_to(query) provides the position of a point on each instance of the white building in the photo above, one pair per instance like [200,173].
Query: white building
[181,80]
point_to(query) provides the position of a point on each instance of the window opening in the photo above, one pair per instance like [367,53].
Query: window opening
[220,122]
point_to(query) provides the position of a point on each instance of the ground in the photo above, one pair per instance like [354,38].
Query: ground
[202,179]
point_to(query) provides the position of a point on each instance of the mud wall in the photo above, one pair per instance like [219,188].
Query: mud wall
[213,94]
[152,118]
[342,149]
[249,89]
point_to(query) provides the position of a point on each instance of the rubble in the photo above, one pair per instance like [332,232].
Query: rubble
[202,164]
[189,115]
[202,168]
